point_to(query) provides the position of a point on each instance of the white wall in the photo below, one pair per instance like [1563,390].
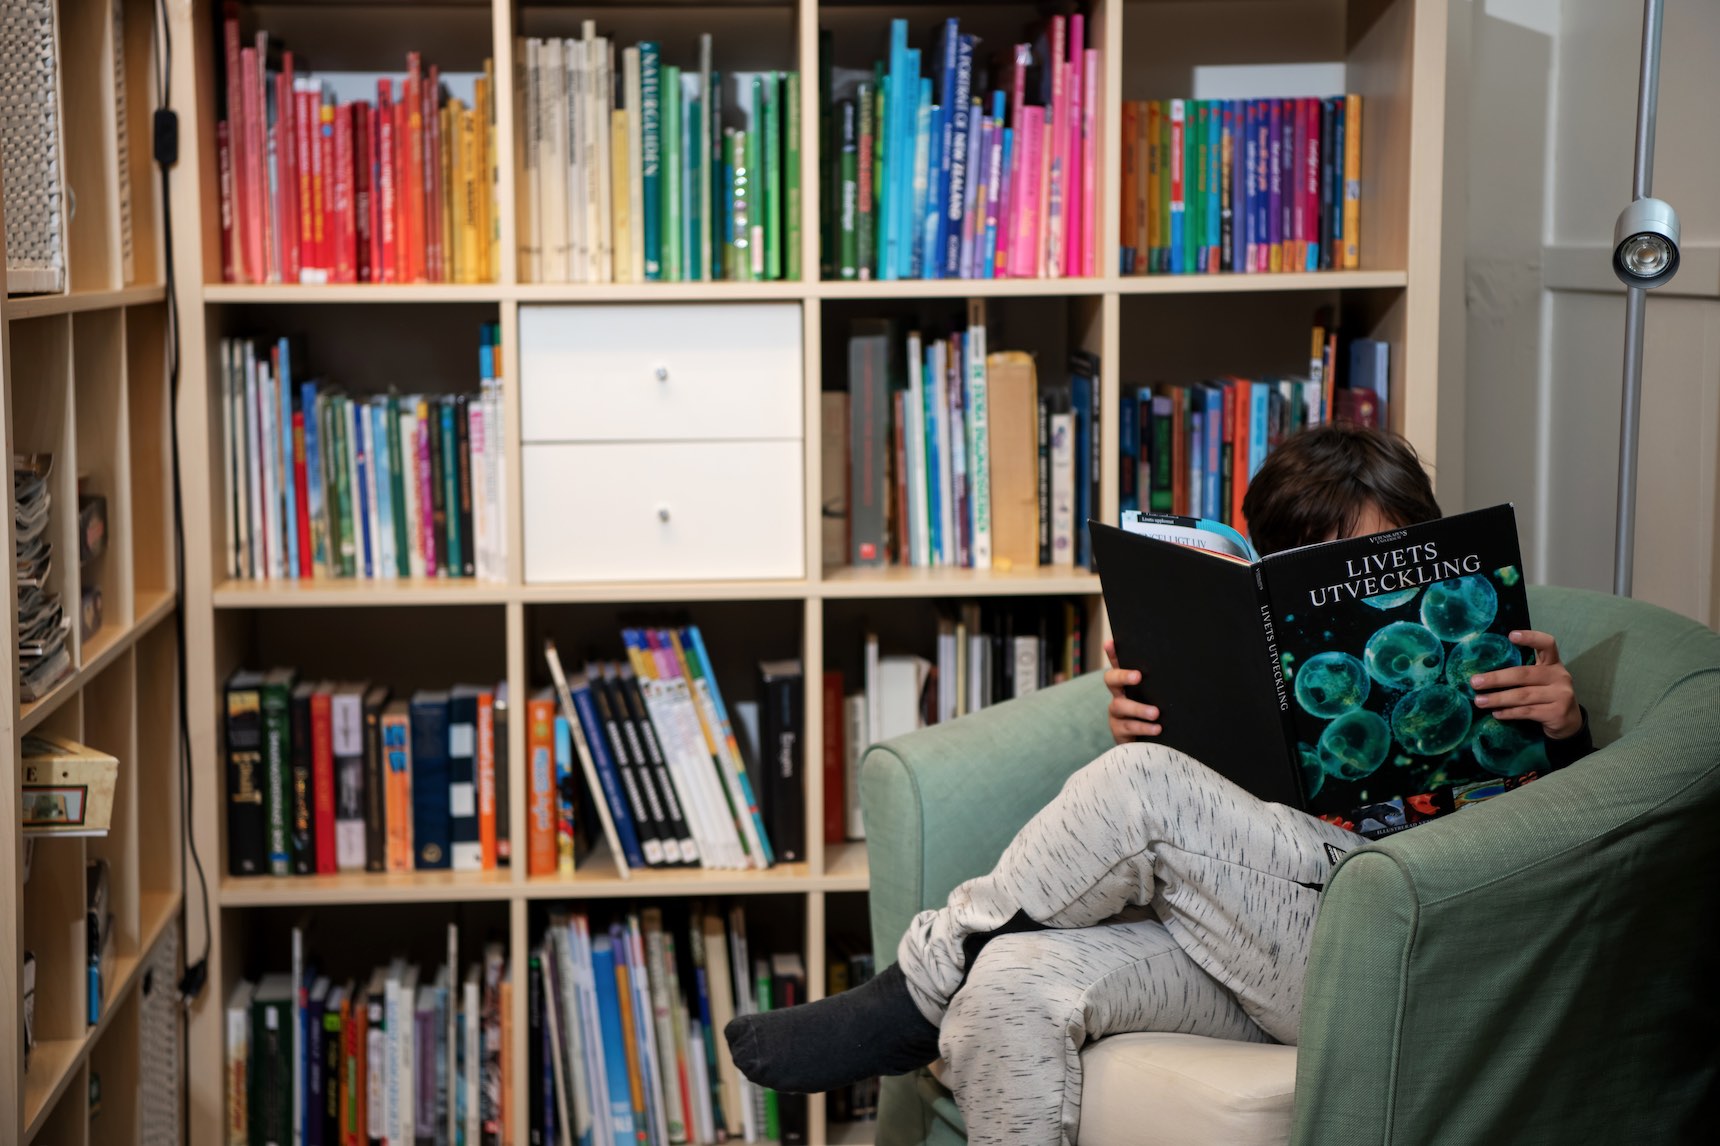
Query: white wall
[1551,86]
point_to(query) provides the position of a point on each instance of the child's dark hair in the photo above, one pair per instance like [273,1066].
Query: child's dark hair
[1316,485]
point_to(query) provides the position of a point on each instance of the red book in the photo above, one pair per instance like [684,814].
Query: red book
[345,266]
[236,140]
[363,202]
[387,197]
[322,779]
[899,451]
[316,186]
[433,252]
[835,827]
[224,173]
[268,268]
[328,225]
[302,498]
[286,100]
[304,136]
[1240,437]
[412,148]
[252,205]
[486,778]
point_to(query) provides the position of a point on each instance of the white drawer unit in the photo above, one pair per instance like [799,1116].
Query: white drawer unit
[663,511]
[661,372]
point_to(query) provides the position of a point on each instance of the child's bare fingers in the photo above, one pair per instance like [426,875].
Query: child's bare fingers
[1513,698]
[1510,677]
[1117,679]
[1537,712]
[1138,728]
[1111,653]
[1122,708]
[1546,648]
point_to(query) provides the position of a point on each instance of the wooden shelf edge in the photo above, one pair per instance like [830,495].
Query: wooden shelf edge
[351,593]
[902,581]
[1231,283]
[67,1055]
[107,649]
[42,305]
[365,888]
[257,293]
[960,288]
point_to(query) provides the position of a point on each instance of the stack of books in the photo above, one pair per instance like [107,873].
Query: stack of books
[986,168]
[1255,185]
[1191,449]
[315,189]
[627,1031]
[639,174]
[43,658]
[986,653]
[952,456]
[676,775]
[321,484]
[326,777]
[407,1053]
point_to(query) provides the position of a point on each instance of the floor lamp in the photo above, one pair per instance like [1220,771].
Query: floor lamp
[1645,255]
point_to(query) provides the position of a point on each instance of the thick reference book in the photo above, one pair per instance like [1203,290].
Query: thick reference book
[1333,677]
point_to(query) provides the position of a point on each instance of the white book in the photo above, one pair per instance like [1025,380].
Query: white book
[945,508]
[919,531]
[227,458]
[471,1011]
[552,162]
[246,365]
[406,1070]
[409,468]
[901,682]
[585,980]
[1026,671]
[499,437]
[578,248]
[977,403]
[635,164]
[1063,489]
[720,738]
[238,1063]
[854,719]
[701,766]
[262,446]
[595,161]
[529,164]
[563,991]
[480,493]
[707,1120]
[376,1053]
[681,772]
[874,725]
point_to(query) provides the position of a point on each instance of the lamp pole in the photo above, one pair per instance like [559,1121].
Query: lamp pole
[1636,300]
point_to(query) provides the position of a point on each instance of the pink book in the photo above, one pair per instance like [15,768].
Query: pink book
[427,520]
[1026,251]
[1048,145]
[1090,137]
[344,269]
[1311,184]
[287,128]
[387,202]
[1013,177]
[254,229]
[996,188]
[1074,262]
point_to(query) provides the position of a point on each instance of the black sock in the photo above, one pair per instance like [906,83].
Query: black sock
[975,943]
[871,1030]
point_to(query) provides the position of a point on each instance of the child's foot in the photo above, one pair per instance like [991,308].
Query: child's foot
[871,1030]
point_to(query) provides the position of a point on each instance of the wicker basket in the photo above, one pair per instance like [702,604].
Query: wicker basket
[31,149]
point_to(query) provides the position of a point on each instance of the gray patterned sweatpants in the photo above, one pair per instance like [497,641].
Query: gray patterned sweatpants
[1176,901]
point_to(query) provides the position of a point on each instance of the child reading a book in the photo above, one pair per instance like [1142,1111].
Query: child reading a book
[1151,894]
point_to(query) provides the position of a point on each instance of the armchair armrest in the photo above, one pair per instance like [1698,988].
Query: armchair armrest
[1535,969]
[942,804]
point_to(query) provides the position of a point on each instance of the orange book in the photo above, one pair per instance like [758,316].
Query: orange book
[1179,449]
[415,166]
[540,779]
[1239,450]
[629,1029]
[1133,263]
[486,748]
[397,785]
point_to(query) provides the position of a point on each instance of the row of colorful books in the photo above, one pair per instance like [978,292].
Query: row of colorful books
[405,1054]
[955,456]
[1192,449]
[677,776]
[1256,185]
[626,1031]
[322,484]
[326,777]
[636,175]
[317,189]
[985,168]
[985,653]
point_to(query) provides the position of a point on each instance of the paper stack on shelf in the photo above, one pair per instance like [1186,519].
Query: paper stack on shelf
[42,624]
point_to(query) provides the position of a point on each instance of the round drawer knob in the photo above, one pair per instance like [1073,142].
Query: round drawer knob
[662,513]
[662,373]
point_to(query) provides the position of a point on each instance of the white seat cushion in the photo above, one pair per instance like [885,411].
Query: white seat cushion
[1186,1090]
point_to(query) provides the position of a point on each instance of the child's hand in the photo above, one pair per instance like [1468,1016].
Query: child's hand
[1130,719]
[1541,692]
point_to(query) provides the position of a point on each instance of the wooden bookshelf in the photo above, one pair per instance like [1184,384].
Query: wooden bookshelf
[85,375]
[1142,328]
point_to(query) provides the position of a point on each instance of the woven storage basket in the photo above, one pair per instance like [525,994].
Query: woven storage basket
[160,1044]
[30,148]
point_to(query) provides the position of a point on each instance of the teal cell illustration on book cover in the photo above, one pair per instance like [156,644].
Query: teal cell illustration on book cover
[1377,639]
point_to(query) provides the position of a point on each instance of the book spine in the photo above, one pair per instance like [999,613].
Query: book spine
[465,852]
[1325,108]
[670,150]
[397,766]
[650,146]
[430,787]
[486,779]
[247,849]
[277,774]
[848,193]
[1352,181]
[608,788]
[1176,151]
[375,786]
[1274,185]
[304,839]
[791,198]
[956,146]
[540,791]
[782,751]
[346,741]
[770,172]
[323,782]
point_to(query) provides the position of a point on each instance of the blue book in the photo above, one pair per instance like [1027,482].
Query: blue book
[1336,230]
[622,1130]
[961,135]
[359,427]
[1214,451]
[1259,414]
[607,776]
[380,458]
[1081,402]
[692,175]
[916,93]
[430,813]
[311,1038]
[1250,156]
[1129,447]
[934,488]
[467,853]
[931,207]
[1235,125]
[289,487]
[650,158]
[925,162]
[694,643]
[1214,182]
[943,146]
[314,477]
[895,135]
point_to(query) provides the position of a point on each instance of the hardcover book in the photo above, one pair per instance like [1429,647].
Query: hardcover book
[1333,677]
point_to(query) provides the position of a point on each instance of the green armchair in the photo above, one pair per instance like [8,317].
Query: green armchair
[1536,969]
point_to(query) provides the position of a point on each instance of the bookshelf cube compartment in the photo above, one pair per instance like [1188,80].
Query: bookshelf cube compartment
[44,422]
[156,766]
[109,719]
[138,186]
[54,931]
[88,101]
[115,1076]
[149,452]
[104,469]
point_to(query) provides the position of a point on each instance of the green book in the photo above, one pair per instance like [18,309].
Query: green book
[752,142]
[342,423]
[277,768]
[762,988]
[397,469]
[693,201]
[672,156]
[451,482]
[771,173]
[791,174]
[269,1077]
[650,159]
[740,206]
[848,191]
[1194,168]
[826,156]
[864,226]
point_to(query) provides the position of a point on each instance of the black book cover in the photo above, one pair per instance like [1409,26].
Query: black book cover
[438,499]
[375,782]
[639,723]
[499,751]
[1330,164]
[468,564]
[1043,474]
[647,811]
[781,752]
[303,829]
[246,852]
[540,1102]
[1345,665]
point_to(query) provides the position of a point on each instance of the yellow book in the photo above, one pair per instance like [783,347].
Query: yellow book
[490,226]
[620,217]
[1352,181]
[471,259]
[450,117]
[482,271]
